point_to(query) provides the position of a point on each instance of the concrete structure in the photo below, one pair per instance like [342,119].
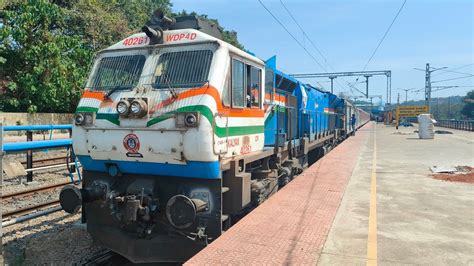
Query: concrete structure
[392,211]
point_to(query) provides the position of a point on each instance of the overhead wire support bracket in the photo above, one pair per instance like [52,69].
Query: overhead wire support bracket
[366,74]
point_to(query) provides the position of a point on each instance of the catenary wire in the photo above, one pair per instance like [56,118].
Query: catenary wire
[456,68]
[292,36]
[383,37]
[456,72]
[436,81]
[312,43]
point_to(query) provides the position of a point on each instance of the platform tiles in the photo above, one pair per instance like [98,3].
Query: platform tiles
[292,226]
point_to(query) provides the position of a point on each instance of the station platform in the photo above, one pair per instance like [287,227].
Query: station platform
[370,200]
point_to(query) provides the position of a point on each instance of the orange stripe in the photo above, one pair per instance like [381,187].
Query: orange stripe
[93,94]
[211,91]
[279,98]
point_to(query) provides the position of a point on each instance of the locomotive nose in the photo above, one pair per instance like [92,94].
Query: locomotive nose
[70,199]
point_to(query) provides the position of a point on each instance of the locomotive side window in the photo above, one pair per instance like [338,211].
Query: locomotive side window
[184,69]
[238,81]
[118,71]
[226,91]
[253,86]
[269,85]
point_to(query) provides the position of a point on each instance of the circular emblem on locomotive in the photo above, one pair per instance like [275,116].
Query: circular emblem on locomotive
[131,143]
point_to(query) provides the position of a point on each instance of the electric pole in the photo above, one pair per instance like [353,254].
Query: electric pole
[332,83]
[428,72]
[406,95]
[428,87]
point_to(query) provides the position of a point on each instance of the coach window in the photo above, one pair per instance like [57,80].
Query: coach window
[269,85]
[238,83]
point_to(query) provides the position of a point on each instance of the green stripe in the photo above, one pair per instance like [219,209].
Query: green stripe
[86,109]
[207,113]
[280,108]
[113,118]
[159,119]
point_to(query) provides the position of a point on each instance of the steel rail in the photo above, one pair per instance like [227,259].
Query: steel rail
[34,190]
[30,216]
[30,208]
[46,160]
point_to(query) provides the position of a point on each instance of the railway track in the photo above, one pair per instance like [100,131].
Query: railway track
[28,209]
[34,190]
[32,211]
[105,257]
[43,162]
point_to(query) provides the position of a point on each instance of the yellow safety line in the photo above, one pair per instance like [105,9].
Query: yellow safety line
[372,235]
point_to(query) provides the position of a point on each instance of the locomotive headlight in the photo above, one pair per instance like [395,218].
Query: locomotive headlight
[190,120]
[123,107]
[138,108]
[88,119]
[79,119]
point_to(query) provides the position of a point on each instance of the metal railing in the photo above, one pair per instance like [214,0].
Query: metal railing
[30,145]
[467,125]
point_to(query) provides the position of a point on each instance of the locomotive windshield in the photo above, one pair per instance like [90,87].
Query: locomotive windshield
[183,69]
[118,72]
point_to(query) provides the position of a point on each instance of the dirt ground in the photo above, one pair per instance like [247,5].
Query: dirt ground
[467,177]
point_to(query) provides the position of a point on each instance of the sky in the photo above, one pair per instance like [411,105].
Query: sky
[439,32]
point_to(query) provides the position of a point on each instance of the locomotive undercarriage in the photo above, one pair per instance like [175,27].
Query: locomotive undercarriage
[147,217]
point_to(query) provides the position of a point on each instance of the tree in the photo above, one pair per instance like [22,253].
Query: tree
[44,66]
[229,36]
[47,47]
[468,108]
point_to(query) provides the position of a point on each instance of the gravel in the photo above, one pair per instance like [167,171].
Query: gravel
[55,239]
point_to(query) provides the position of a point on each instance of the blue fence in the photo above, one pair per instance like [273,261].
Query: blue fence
[37,127]
[36,145]
[29,145]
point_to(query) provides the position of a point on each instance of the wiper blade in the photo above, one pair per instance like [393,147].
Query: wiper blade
[116,89]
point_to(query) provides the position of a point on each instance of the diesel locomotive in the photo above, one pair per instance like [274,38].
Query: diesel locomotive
[179,133]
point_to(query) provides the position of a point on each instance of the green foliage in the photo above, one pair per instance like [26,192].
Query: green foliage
[47,47]
[468,108]
[442,107]
[228,36]
[44,64]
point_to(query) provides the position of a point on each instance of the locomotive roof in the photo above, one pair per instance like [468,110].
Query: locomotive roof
[178,37]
